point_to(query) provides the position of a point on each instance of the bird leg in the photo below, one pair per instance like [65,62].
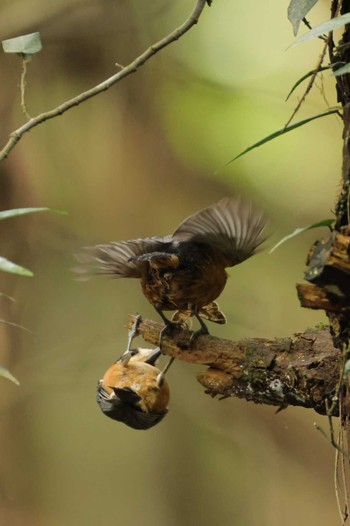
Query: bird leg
[167,329]
[203,328]
[132,333]
[161,375]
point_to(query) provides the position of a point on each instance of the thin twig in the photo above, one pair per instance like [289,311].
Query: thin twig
[335,8]
[310,83]
[124,72]
[307,23]
[341,454]
[330,439]
[344,478]
[23,86]
[336,481]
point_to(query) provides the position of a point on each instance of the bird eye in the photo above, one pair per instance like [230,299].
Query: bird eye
[134,352]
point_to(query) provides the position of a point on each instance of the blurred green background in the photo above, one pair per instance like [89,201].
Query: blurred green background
[133,162]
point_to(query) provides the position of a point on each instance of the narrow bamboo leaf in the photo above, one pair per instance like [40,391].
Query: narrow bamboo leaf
[297,10]
[281,132]
[297,231]
[15,325]
[25,44]
[307,75]
[8,266]
[3,295]
[324,28]
[5,214]
[6,374]
[342,71]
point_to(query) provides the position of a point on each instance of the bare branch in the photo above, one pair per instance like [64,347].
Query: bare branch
[302,370]
[23,86]
[192,20]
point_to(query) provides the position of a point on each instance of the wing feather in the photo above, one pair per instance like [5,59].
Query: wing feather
[230,225]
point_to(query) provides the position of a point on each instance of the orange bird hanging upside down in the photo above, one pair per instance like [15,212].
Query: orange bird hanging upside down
[185,271]
[133,390]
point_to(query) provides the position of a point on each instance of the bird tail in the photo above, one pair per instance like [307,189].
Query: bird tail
[120,258]
[112,259]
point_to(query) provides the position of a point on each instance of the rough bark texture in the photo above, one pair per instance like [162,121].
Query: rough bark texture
[329,272]
[301,371]
[335,266]
[328,262]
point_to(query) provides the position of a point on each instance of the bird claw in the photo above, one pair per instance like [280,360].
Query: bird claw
[167,330]
[201,332]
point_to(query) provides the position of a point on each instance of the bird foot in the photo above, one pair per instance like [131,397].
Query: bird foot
[161,375]
[133,331]
[201,332]
[168,330]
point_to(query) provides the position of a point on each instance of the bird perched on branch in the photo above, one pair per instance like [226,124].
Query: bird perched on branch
[184,271]
[133,390]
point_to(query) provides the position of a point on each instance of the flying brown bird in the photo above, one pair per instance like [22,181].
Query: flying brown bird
[133,390]
[185,271]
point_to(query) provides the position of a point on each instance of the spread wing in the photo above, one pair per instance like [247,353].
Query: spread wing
[118,258]
[230,225]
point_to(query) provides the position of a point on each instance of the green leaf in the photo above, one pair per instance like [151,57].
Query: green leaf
[3,295]
[15,325]
[309,74]
[321,29]
[297,10]
[6,374]
[5,214]
[342,71]
[8,266]
[297,231]
[278,133]
[24,44]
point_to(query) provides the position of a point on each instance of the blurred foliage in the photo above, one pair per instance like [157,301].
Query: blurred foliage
[5,373]
[5,264]
[134,162]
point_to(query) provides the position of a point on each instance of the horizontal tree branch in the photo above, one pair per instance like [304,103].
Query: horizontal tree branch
[302,370]
[16,135]
[314,297]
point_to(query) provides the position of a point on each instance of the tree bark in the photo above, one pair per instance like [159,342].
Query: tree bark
[302,370]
